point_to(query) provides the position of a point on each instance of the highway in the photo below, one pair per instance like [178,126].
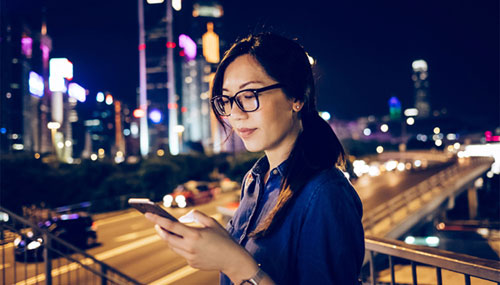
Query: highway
[129,243]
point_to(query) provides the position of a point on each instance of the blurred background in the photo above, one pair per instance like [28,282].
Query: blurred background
[105,100]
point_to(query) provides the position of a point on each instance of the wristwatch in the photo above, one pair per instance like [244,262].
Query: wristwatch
[254,280]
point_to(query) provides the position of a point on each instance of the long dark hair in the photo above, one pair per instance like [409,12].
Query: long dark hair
[317,147]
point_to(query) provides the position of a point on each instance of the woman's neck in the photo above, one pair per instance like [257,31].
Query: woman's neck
[280,153]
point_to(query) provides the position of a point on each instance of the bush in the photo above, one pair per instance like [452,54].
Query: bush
[26,181]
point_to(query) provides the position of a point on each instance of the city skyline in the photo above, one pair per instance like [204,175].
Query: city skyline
[363,54]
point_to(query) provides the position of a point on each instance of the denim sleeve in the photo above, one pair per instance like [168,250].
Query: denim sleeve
[331,243]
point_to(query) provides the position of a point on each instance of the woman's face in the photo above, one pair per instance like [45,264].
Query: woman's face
[275,124]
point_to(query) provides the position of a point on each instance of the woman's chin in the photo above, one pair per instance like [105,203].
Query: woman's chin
[252,147]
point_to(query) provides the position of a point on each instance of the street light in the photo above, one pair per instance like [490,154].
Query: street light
[53,126]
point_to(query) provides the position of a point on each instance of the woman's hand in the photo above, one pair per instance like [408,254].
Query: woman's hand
[207,248]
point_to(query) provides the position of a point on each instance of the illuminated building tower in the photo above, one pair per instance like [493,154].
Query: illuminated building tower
[162,97]
[202,23]
[101,127]
[195,104]
[394,109]
[181,48]
[23,84]
[421,84]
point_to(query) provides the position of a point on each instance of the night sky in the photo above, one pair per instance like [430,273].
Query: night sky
[364,49]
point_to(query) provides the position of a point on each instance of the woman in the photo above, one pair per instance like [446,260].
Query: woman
[299,219]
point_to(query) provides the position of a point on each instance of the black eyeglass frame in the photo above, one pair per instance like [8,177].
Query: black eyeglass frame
[233,98]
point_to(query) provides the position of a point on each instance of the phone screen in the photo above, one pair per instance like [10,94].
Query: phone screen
[145,205]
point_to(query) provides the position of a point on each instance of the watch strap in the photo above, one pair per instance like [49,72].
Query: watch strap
[254,280]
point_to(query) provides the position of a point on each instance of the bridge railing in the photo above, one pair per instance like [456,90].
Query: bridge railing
[59,262]
[420,257]
[388,214]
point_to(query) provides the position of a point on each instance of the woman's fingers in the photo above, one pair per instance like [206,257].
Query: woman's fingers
[171,226]
[174,240]
[204,219]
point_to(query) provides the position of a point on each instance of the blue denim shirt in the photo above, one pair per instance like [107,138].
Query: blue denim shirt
[321,241]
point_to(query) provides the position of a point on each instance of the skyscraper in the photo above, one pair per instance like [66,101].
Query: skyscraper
[23,79]
[421,84]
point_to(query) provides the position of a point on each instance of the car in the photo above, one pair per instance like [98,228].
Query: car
[191,193]
[77,229]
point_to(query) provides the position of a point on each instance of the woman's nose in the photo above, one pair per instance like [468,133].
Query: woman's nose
[236,112]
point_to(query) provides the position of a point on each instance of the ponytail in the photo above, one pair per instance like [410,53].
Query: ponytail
[317,148]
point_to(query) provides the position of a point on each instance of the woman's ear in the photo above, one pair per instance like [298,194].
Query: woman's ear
[297,105]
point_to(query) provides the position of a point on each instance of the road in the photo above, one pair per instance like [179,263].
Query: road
[130,244]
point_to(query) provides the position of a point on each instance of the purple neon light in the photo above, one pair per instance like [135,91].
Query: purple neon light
[188,45]
[27,46]
[45,52]
[394,102]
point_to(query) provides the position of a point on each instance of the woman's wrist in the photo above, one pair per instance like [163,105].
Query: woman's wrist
[242,267]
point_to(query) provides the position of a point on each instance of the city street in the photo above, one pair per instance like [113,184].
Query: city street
[130,244]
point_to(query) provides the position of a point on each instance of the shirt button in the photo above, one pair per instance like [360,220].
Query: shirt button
[275,172]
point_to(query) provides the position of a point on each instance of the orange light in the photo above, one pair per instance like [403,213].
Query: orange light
[173,106]
[139,113]
[109,99]
[184,109]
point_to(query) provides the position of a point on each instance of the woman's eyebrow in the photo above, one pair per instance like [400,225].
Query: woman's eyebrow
[245,84]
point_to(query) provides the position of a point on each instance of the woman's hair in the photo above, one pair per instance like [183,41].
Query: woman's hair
[317,147]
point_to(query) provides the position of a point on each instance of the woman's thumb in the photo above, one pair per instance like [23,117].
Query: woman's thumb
[202,218]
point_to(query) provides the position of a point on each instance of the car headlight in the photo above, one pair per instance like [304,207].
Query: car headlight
[34,245]
[180,199]
[30,234]
[17,241]
[182,204]
[168,199]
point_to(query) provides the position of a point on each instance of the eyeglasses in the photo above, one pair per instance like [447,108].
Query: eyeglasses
[247,100]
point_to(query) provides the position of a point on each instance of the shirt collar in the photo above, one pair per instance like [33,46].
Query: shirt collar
[262,165]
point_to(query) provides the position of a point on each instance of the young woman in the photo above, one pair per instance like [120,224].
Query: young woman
[299,219]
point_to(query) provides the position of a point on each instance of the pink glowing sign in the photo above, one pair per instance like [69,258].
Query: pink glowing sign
[490,137]
[188,45]
[27,46]
[45,51]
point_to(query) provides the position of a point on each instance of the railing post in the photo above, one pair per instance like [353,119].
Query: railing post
[414,272]
[372,268]
[47,259]
[104,271]
[391,266]
[438,276]
[2,239]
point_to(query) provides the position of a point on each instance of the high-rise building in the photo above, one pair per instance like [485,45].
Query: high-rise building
[24,57]
[184,116]
[421,84]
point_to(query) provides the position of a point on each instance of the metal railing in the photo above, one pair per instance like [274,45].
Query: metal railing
[439,260]
[60,262]
[393,211]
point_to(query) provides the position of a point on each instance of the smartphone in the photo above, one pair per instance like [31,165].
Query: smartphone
[145,205]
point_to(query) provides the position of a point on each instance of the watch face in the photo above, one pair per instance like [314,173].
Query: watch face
[249,281]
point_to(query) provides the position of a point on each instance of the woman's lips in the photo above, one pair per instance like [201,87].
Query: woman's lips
[245,132]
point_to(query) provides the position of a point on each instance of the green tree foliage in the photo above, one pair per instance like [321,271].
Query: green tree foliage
[27,181]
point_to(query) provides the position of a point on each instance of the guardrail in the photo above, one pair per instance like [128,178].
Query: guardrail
[388,214]
[73,266]
[461,264]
